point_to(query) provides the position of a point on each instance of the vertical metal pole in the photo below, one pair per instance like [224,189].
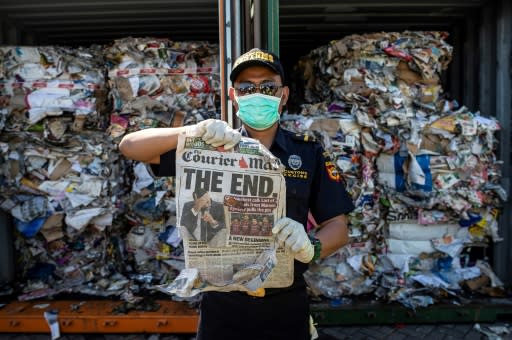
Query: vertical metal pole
[236,50]
[228,19]
[273,26]
[223,50]
[236,29]
[257,23]
[248,25]
[503,250]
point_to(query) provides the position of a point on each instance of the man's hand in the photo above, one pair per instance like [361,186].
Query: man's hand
[217,132]
[293,236]
[209,218]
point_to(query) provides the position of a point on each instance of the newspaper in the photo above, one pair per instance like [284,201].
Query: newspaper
[227,202]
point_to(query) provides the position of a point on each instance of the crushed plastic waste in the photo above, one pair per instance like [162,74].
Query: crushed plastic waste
[421,168]
[493,332]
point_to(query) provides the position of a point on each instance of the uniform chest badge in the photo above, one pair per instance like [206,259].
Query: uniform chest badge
[294,162]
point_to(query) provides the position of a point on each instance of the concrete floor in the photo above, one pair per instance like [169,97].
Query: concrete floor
[394,332]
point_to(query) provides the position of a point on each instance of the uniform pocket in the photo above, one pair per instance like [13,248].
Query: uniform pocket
[297,205]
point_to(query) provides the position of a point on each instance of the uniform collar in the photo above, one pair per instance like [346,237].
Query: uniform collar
[279,139]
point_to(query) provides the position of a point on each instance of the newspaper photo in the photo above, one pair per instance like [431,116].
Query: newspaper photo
[227,203]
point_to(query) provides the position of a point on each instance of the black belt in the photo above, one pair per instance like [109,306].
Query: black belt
[275,291]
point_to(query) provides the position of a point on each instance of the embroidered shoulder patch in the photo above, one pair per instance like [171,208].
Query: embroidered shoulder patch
[330,167]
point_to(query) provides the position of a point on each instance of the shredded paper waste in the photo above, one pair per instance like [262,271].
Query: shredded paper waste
[89,221]
[420,167]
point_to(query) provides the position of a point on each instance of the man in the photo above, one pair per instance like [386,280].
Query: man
[244,227]
[266,227]
[255,227]
[259,94]
[235,226]
[202,217]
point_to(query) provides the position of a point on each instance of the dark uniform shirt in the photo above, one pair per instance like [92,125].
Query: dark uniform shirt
[312,184]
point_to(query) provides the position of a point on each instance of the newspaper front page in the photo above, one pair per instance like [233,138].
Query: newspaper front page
[227,203]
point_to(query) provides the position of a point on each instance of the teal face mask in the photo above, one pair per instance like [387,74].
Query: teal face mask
[258,111]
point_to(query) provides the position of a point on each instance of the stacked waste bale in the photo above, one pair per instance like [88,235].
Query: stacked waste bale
[158,83]
[57,169]
[421,170]
[87,220]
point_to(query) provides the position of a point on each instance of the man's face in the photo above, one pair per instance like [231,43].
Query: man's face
[205,201]
[258,75]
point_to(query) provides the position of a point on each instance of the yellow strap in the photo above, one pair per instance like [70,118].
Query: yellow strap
[260,292]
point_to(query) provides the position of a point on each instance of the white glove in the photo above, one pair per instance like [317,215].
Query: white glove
[217,132]
[293,236]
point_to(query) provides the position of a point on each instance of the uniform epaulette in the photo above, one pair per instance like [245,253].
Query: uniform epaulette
[304,137]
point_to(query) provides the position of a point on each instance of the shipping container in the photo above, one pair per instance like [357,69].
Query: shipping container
[479,76]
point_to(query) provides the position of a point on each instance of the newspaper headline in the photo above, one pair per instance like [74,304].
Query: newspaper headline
[227,203]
